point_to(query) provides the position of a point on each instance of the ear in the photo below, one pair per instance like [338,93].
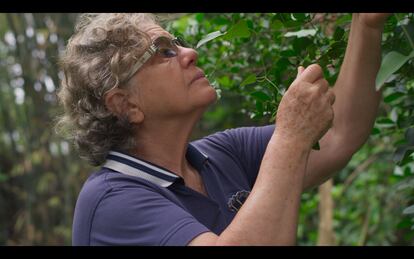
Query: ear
[135,114]
[118,103]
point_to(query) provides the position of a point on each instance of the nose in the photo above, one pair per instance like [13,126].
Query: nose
[188,57]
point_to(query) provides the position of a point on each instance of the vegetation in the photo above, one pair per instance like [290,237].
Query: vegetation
[251,59]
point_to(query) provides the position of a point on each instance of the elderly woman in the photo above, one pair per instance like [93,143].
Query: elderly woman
[132,94]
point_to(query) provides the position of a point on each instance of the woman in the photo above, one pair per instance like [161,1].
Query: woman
[132,94]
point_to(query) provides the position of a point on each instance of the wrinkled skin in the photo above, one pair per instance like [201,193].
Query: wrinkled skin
[305,112]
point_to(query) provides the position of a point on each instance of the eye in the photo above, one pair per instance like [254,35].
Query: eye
[167,53]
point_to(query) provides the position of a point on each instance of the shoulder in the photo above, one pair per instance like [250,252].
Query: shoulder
[236,137]
[108,196]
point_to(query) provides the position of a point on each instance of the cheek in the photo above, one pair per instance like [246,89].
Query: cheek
[165,85]
[163,95]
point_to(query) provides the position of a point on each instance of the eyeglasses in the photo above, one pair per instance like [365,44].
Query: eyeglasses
[164,46]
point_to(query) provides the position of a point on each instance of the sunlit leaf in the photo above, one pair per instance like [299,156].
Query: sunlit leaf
[301,33]
[409,210]
[239,30]
[250,79]
[344,19]
[389,65]
[209,37]
[224,81]
[277,25]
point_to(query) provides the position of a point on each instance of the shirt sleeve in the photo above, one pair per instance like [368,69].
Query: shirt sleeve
[142,216]
[248,145]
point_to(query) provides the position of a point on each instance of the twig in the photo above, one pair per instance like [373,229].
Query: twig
[365,227]
[359,169]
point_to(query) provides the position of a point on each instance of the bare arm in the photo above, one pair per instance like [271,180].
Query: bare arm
[270,214]
[356,100]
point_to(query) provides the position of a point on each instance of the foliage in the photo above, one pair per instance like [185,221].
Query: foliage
[251,59]
[40,176]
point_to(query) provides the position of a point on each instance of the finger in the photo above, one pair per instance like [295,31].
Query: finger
[331,96]
[311,73]
[300,70]
[322,84]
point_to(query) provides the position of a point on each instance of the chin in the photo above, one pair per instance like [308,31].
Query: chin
[208,97]
[212,95]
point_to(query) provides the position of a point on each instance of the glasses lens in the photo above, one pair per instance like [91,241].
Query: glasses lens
[181,42]
[165,47]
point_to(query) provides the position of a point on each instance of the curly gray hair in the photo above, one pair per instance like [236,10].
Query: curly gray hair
[99,57]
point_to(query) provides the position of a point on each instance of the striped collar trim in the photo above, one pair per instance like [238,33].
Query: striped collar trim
[132,166]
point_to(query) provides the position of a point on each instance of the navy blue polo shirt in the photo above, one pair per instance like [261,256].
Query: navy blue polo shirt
[131,201]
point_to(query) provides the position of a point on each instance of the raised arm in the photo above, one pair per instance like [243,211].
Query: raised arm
[270,214]
[356,100]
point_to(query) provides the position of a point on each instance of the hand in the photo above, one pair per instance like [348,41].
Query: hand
[305,112]
[373,20]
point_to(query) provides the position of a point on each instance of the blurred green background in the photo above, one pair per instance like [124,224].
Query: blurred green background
[250,59]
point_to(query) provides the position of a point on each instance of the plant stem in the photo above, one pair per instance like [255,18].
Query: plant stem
[270,82]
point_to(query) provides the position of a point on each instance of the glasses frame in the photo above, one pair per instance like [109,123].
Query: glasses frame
[151,51]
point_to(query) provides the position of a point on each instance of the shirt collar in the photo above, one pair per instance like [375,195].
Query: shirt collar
[136,167]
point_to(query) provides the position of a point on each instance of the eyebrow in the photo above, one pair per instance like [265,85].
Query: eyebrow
[163,35]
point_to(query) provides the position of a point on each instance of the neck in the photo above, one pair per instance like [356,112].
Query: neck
[164,143]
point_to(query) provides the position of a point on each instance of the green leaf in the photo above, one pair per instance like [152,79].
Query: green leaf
[405,223]
[209,37]
[239,30]
[221,20]
[402,153]
[288,53]
[409,136]
[393,96]
[277,25]
[409,210]
[199,17]
[344,19]
[298,16]
[384,121]
[301,33]
[261,96]
[250,79]
[390,64]
[259,109]
[224,81]
[375,131]
[338,34]
[250,24]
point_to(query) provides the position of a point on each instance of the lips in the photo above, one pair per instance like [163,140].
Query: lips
[198,76]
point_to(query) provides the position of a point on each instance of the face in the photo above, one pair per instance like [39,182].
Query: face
[168,87]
